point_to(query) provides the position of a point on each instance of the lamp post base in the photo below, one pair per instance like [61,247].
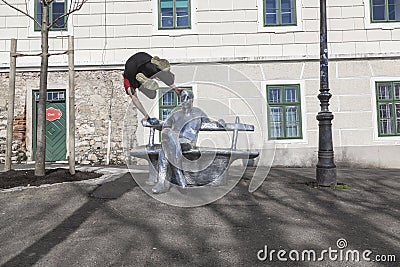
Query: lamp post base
[326,177]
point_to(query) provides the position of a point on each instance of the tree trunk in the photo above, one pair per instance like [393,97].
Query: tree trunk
[10,104]
[71,106]
[41,114]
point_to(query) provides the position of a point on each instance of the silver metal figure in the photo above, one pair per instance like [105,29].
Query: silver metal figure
[180,132]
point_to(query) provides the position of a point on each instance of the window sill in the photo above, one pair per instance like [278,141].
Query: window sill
[279,29]
[382,25]
[173,32]
[287,141]
[390,138]
[52,34]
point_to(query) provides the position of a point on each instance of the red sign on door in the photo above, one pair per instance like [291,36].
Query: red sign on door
[53,114]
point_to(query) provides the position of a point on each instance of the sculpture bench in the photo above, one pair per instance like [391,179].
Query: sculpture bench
[219,159]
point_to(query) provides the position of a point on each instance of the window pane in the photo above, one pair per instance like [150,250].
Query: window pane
[168,99]
[291,94]
[276,122]
[378,2]
[397,10]
[167,17]
[275,95]
[165,113]
[58,9]
[166,4]
[398,117]
[182,17]
[292,122]
[271,12]
[378,13]
[182,4]
[167,13]
[384,91]
[271,4]
[287,4]
[386,118]
[39,11]
[396,91]
[287,16]
[394,11]
[271,17]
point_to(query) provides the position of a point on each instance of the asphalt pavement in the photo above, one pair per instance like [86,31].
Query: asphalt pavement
[112,222]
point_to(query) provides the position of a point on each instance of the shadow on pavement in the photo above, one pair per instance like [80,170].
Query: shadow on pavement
[103,193]
[121,225]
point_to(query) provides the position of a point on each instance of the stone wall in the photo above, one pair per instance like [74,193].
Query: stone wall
[3,115]
[99,98]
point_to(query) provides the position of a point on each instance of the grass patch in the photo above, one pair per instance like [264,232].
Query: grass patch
[338,186]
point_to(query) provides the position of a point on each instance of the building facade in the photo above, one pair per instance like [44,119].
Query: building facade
[256,59]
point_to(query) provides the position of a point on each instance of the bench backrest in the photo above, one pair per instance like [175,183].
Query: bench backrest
[207,126]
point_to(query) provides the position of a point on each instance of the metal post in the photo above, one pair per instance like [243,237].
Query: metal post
[235,133]
[71,106]
[10,104]
[326,168]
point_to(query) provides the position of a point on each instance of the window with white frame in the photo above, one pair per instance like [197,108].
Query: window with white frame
[388,108]
[279,12]
[56,9]
[385,10]
[284,111]
[174,14]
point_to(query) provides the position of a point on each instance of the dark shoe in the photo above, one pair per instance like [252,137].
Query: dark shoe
[161,64]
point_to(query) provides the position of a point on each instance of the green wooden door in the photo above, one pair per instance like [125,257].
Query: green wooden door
[56,125]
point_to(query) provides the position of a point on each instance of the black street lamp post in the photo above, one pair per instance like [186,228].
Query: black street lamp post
[326,168]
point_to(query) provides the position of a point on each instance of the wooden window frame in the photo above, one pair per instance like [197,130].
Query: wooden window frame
[280,24]
[392,101]
[386,20]
[284,104]
[174,27]
[37,28]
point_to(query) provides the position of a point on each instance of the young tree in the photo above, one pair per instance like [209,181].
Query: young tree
[45,25]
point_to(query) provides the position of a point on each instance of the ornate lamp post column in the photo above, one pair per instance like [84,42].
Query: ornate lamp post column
[326,168]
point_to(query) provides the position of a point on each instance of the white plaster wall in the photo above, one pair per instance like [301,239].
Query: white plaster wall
[224,91]
[109,32]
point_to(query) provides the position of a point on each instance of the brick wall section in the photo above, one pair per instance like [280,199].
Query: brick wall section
[19,125]
[19,138]
[3,115]
[96,92]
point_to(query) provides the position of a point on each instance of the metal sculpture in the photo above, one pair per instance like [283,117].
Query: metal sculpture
[177,160]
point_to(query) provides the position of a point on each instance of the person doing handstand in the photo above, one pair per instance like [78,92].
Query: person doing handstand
[140,72]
